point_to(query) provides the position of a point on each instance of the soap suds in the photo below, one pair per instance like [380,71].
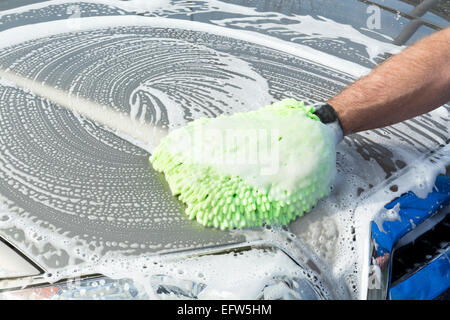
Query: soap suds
[28,32]
[336,230]
[387,215]
[300,27]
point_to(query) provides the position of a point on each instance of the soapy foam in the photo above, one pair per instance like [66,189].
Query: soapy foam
[50,111]
[236,274]
[339,205]
[299,27]
[307,27]
[25,33]
[147,134]
[387,215]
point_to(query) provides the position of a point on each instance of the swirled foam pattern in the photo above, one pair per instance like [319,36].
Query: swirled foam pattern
[84,180]
[73,191]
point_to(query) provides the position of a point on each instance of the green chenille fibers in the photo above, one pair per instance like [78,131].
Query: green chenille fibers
[217,197]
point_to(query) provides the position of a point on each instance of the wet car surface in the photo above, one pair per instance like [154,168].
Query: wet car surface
[73,192]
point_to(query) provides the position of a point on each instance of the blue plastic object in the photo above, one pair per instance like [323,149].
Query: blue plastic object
[434,278]
[428,283]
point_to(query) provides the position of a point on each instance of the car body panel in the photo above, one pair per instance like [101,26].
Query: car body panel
[102,189]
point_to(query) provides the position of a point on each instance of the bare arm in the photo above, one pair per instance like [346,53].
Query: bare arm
[413,82]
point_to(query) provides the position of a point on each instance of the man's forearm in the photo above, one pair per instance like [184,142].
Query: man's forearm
[410,83]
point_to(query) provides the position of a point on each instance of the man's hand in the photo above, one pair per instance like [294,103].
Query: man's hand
[411,83]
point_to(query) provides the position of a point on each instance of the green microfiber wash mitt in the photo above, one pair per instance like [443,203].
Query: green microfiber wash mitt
[242,170]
